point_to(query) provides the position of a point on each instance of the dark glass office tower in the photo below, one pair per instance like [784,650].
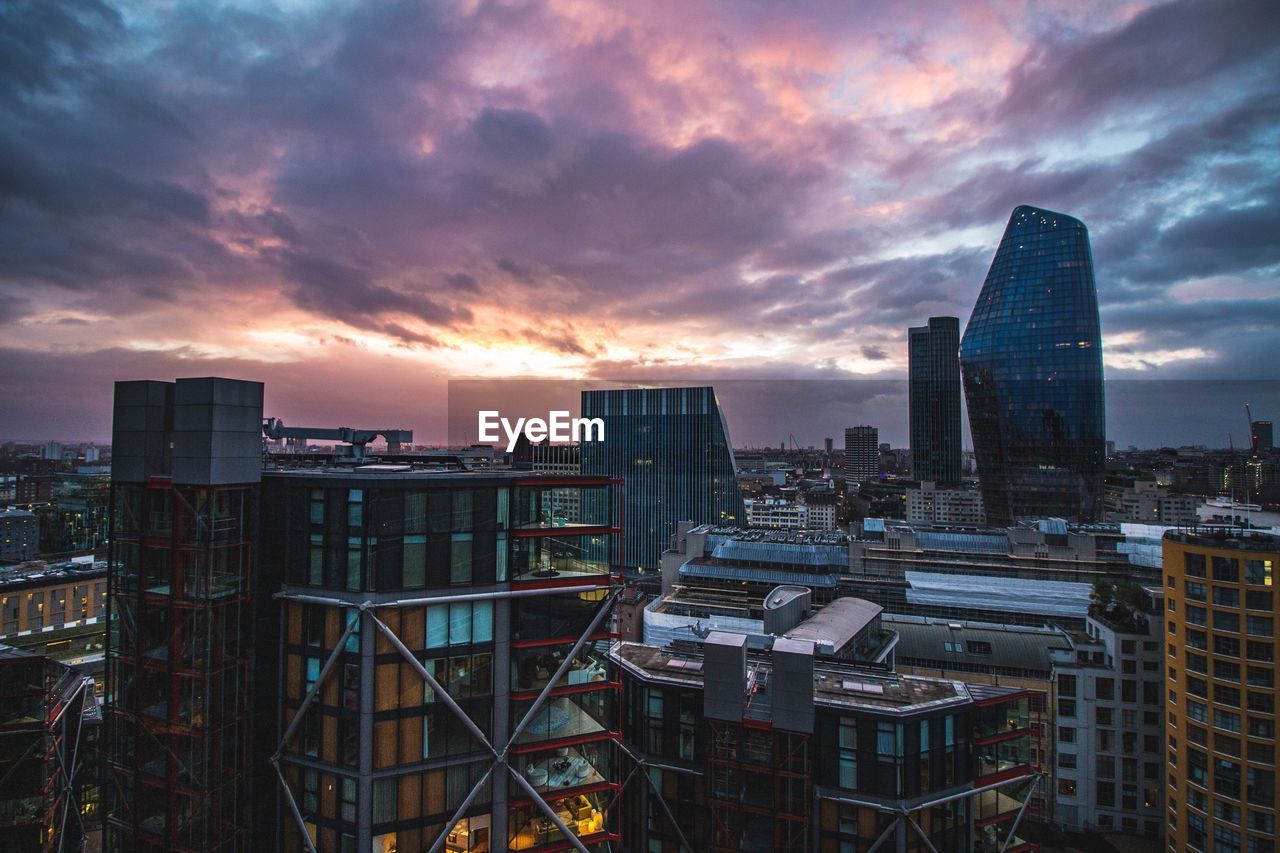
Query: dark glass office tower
[934,394]
[671,449]
[1032,363]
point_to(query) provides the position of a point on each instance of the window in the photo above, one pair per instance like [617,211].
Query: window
[1196,615]
[1224,695]
[460,556]
[1259,727]
[1103,716]
[1066,734]
[1066,685]
[1263,703]
[1226,670]
[1260,676]
[1257,572]
[1195,591]
[459,623]
[1197,639]
[1105,688]
[1228,720]
[1105,793]
[1066,707]
[1194,565]
[1226,569]
[1259,626]
[1224,596]
[1255,599]
[1197,663]
[1067,787]
[1197,710]
[1261,787]
[978,647]
[1067,759]
[1229,646]
[1260,651]
[1226,811]
[848,753]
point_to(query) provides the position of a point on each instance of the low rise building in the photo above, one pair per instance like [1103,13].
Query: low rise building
[1148,502]
[930,505]
[19,535]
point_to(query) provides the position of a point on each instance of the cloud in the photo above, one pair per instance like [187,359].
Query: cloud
[578,188]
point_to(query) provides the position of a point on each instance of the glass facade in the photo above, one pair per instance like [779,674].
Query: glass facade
[1032,363]
[671,449]
[934,400]
[488,583]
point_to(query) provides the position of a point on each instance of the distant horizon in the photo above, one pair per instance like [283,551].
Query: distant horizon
[1146,414]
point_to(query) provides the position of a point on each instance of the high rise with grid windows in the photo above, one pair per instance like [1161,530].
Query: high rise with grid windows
[323,654]
[1221,702]
[442,659]
[1032,363]
[934,400]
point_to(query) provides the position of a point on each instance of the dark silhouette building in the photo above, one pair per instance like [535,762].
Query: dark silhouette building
[671,449]
[186,466]
[1032,363]
[934,394]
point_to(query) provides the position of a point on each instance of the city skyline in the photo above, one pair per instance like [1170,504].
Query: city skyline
[394,193]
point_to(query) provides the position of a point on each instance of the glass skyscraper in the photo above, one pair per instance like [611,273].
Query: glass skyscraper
[1032,363]
[934,395]
[671,449]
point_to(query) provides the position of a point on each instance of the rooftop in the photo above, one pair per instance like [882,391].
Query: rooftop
[836,685]
[835,626]
[39,573]
[788,537]
[975,644]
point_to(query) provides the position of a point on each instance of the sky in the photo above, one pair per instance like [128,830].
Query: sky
[355,202]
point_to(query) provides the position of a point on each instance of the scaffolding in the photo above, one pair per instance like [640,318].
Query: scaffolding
[178,666]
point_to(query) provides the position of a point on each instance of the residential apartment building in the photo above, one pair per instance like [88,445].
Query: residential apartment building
[782,749]
[929,504]
[1109,722]
[1221,693]
[19,535]
[862,455]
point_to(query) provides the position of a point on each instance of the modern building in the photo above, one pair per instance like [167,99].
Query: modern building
[1221,692]
[933,352]
[1000,655]
[329,653]
[862,454]
[1032,362]
[186,464]
[19,535]
[670,448]
[1262,436]
[50,725]
[1109,730]
[784,749]
[433,620]
[929,504]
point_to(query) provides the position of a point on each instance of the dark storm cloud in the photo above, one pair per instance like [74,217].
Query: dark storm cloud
[417,170]
[1164,53]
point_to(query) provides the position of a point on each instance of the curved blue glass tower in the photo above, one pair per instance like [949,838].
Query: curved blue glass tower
[1032,363]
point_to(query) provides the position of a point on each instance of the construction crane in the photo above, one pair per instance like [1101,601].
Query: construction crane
[1253,436]
[355,439]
